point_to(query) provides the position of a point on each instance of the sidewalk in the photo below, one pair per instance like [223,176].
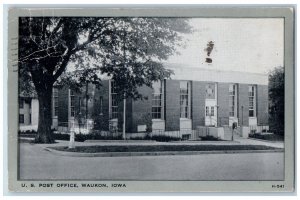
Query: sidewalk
[248,141]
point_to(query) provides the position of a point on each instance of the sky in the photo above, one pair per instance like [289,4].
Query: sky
[250,44]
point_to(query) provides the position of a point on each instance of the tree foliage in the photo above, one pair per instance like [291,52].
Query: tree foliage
[276,96]
[74,51]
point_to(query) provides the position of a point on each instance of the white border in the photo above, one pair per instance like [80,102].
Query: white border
[3,109]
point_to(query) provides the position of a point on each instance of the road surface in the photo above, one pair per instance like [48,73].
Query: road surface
[38,164]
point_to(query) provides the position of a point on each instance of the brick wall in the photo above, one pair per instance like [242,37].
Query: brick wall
[262,104]
[243,100]
[172,105]
[129,127]
[141,109]
[198,103]
[25,111]
[223,102]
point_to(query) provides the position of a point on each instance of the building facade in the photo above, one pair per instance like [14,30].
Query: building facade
[28,113]
[192,97]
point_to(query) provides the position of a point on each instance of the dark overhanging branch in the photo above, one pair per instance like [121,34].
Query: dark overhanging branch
[62,66]
[60,23]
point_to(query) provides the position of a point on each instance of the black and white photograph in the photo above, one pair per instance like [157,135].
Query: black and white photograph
[150,98]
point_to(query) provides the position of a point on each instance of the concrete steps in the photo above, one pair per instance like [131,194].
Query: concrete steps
[228,133]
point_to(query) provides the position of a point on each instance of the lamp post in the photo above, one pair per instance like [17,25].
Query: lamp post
[242,116]
[217,106]
[86,105]
[124,97]
[124,117]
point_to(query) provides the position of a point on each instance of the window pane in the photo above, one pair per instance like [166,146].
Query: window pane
[184,99]
[232,100]
[251,101]
[21,118]
[251,113]
[21,103]
[56,111]
[72,111]
[210,91]
[183,85]
[212,110]
[157,100]
[157,87]
[113,100]
[55,99]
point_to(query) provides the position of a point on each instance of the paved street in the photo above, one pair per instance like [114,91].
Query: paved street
[39,164]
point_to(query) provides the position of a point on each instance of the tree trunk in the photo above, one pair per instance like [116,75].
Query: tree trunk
[44,134]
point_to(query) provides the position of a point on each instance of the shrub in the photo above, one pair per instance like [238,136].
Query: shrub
[162,138]
[27,132]
[158,138]
[209,138]
[270,137]
[60,136]
[80,137]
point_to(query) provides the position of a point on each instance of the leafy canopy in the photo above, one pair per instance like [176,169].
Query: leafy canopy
[78,50]
[276,95]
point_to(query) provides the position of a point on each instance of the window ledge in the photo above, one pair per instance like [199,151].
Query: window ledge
[185,119]
[158,120]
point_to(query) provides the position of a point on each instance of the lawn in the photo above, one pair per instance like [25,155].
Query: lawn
[161,148]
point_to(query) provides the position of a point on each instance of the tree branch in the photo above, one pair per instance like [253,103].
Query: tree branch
[60,23]
[62,66]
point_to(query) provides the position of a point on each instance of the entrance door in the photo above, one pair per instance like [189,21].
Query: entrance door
[211,112]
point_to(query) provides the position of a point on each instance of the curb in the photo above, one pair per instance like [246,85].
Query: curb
[207,141]
[120,141]
[158,153]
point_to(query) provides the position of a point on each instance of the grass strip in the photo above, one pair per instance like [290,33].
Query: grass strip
[161,148]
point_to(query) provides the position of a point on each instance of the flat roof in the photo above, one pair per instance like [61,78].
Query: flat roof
[203,74]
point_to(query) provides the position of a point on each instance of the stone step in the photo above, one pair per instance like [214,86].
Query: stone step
[228,133]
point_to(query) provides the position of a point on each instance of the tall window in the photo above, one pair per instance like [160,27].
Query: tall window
[232,100]
[21,103]
[206,111]
[252,102]
[21,118]
[101,104]
[55,101]
[184,99]
[114,102]
[212,111]
[157,100]
[72,103]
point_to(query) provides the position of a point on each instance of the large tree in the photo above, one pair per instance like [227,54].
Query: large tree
[78,50]
[276,96]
